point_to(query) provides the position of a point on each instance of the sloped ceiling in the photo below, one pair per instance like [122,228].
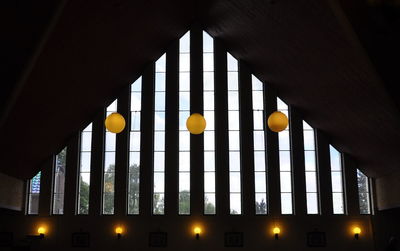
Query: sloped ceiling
[306,49]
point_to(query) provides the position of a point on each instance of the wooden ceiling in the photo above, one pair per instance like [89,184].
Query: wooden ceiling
[88,51]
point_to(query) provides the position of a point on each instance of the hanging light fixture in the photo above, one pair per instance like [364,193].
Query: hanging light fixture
[196,123]
[115,122]
[277,121]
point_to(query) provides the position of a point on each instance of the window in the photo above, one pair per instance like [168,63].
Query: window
[184,135]
[84,170]
[159,138]
[134,148]
[337,181]
[235,197]
[310,170]
[33,194]
[109,166]
[285,166]
[363,193]
[59,182]
[209,133]
[260,171]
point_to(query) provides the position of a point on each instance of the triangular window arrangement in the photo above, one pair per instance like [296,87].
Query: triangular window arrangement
[157,161]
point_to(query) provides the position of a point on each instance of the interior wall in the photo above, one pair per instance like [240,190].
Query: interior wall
[11,192]
[386,225]
[385,197]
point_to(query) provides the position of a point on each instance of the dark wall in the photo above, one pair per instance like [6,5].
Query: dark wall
[386,224]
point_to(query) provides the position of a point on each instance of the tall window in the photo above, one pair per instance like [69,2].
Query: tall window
[337,181]
[209,133]
[285,166]
[260,171]
[159,138]
[84,170]
[363,193]
[134,148]
[184,135]
[33,194]
[235,189]
[59,182]
[310,169]
[109,166]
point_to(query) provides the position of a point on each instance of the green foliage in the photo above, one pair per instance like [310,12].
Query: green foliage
[84,197]
[363,192]
[261,208]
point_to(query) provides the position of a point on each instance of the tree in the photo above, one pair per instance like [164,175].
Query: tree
[261,208]
[83,197]
[184,202]
[133,194]
[363,193]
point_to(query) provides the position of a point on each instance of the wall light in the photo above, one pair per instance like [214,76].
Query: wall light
[276,232]
[277,121]
[197,231]
[119,231]
[357,232]
[115,122]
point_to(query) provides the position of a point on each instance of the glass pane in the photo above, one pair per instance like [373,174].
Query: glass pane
[58,203]
[184,181]
[286,203]
[134,158]
[209,117]
[135,121]
[258,140]
[259,161]
[284,161]
[109,161]
[133,193]
[281,105]
[86,141]
[159,121]
[337,182]
[309,157]
[159,161]
[159,141]
[234,182]
[209,161]
[209,203]
[258,100]
[261,203]
[208,42]
[110,141]
[158,182]
[183,116]
[208,62]
[311,182]
[158,203]
[160,82]
[258,118]
[260,182]
[209,143]
[184,81]
[33,207]
[137,85]
[134,144]
[208,81]
[184,62]
[184,161]
[235,203]
[160,64]
[184,202]
[309,143]
[85,161]
[108,203]
[284,140]
[184,101]
[233,100]
[184,141]
[209,182]
[136,104]
[306,126]
[159,101]
[335,159]
[234,140]
[364,200]
[286,182]
[233,120]
[233,83]
[232,63]
[338,207]
[234,161]
[208,100]
[312,203]
[257,85]
[184,43]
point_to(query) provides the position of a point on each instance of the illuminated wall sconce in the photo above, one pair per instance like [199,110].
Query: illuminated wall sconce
[276,232]
[119,231]
[41,232]
[357,232]
[197,231]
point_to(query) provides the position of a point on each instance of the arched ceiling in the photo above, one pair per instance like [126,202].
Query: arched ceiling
[88,51]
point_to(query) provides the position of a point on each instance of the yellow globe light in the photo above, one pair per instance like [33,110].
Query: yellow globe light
[41,230]
[196,123]
[115,122]
[197,230]
[277,121]
[277,230]
[357,230]
[119,230]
